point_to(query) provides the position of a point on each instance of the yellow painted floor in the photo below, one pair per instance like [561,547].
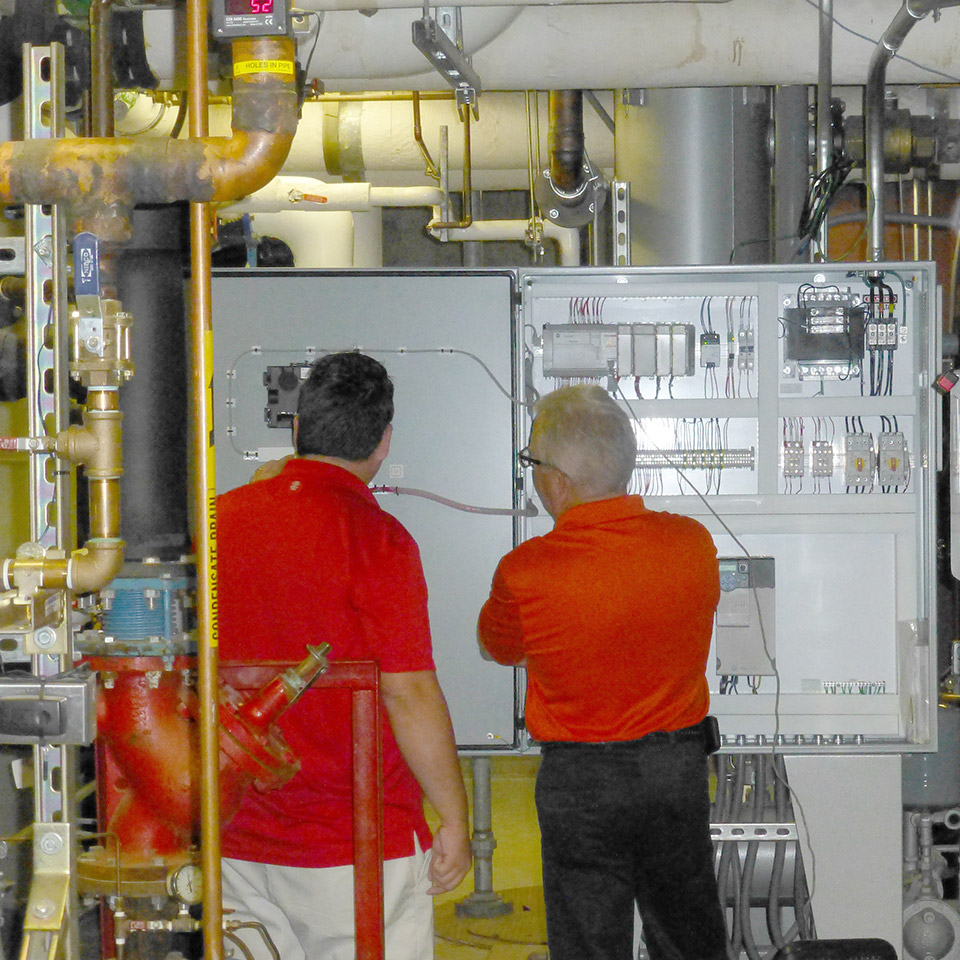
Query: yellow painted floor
[520,935]
[517,877]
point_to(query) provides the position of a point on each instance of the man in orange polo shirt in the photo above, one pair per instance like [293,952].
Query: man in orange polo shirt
[611,613]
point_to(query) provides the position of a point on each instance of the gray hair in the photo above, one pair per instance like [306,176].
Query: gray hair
[583,432]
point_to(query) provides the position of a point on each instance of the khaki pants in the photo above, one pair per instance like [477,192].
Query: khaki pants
[309,912]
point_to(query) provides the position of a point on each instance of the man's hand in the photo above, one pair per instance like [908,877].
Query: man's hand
[451,859]
[421,723]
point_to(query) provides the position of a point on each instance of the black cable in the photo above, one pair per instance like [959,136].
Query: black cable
[303,77]
[823,189]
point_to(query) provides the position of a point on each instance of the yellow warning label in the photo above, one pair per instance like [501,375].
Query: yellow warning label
[243,68]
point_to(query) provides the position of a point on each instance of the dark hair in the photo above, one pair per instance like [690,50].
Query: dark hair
[344,407]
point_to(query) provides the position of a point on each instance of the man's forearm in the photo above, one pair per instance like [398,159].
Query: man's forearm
[421,724]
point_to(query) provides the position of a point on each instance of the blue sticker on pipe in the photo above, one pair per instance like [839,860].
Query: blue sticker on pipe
[86,265]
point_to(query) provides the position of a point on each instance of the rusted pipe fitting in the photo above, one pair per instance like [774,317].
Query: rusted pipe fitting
[566,140]
[99,180]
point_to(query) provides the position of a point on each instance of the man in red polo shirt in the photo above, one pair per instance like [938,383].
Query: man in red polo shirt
[611,613]
[307,556]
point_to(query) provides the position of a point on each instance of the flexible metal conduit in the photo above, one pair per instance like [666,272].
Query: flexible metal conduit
[903,22]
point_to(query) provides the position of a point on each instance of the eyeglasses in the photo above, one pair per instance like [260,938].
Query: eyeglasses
[529,461]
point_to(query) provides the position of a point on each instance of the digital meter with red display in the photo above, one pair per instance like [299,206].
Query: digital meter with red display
[248,18]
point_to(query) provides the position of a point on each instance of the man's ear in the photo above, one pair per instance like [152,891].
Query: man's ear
[383,447]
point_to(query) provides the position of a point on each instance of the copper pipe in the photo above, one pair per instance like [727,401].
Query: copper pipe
[204,495]
[431,167]
[97,446]
[101,68]
[99,180]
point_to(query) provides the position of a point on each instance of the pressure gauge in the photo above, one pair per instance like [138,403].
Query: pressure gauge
[249,18]
[186,883]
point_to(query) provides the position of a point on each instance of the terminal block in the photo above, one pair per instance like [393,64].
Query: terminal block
[859,465]
[882,335]
[893,463]
[793,458]
[821,453]
[745,348]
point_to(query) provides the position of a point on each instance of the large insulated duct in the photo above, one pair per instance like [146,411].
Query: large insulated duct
[743,42]
[906,18]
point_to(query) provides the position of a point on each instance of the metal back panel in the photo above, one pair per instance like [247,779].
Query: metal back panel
[796,421]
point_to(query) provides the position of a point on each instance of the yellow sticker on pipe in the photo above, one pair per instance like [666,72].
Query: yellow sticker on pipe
[244,68]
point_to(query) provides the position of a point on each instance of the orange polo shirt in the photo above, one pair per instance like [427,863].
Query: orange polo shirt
[612,613]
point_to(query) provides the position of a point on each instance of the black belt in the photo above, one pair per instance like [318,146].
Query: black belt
[707,731]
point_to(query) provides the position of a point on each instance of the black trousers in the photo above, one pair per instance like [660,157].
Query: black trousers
[623,823]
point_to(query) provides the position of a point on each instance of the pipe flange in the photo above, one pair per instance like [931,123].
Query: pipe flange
[574,209]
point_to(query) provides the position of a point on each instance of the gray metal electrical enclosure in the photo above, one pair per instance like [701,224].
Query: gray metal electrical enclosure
[446,341]
[787,408]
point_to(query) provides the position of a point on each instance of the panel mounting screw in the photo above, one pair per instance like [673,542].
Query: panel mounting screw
[43,908]
[51,843]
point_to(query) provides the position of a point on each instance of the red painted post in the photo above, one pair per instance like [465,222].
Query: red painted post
[362,678]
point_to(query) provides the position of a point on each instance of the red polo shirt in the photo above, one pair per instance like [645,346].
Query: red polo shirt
[612,611]
[306,557]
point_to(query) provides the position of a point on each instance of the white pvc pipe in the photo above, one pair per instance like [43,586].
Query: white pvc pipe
[566,238]
[303,194]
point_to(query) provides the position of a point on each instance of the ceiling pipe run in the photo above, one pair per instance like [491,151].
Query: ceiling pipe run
[370,138]
[905,20]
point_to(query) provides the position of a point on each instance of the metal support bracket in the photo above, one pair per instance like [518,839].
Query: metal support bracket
[753,831]
[440,40]
[620,198]
[36,710]
[46,915]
